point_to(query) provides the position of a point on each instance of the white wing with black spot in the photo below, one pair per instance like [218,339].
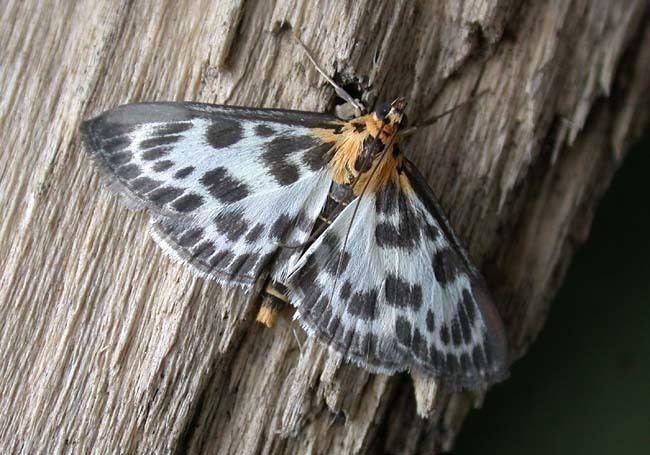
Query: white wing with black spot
[403,294]
[226,185]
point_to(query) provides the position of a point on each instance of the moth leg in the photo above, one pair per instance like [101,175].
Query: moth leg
[358,107]
[274,300]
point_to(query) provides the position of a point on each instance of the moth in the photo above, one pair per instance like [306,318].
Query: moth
[327,213]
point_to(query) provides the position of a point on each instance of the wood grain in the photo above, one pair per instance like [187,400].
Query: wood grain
[108,346]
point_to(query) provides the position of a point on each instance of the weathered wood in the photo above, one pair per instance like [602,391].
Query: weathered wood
[108,345]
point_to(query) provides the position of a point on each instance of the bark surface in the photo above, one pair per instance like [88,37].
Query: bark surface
[107,345]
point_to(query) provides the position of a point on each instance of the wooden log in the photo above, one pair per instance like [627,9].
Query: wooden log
[108,346]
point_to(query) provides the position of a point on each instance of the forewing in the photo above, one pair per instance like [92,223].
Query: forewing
[402,294]
[226,185]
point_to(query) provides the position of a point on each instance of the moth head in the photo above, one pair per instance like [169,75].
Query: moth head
[392,113]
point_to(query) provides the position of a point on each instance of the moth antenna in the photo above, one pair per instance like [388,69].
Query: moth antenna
[431,120]
[340,91]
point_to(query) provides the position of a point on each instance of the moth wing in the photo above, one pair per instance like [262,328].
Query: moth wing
[402,295]
[225,185]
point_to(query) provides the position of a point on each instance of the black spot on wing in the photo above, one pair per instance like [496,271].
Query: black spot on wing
[221,260]
[478,358]
[446,266]
[203,251]
[363,305]
[278,152]
[430,321]
[244,264]
[430,231]
[172,128]
[386,234]
[129,171]
[307,275]
[223,133]
[403,331]
[159,141]
[114,144]
[336,329]
[191,237]
[345,342]
[263,130]
[346,291]
[286,174]
[435,356]
[119,158]
[389,235]
[231,224]
[331,242]
[465,328]
[188,203]
[410,222]
[401,294]
[184,172]
[266,259]
[465,325]
[173,230]
[223,186]
[464,362]
[316,157]
[467,303]
[254,234]
[444,334]
[316,307]
[161,166]
[284,256]
[144,184]
[337,260]
[156,153]
[280,227]
[386,199]
[304,222]
[338,263]
[456,336]
[164,194]
[419,345]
